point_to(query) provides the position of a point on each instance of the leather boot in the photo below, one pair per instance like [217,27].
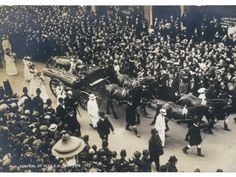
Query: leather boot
[226,127]
[199,152]
[185,149]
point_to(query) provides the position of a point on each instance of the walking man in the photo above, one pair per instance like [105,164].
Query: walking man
[104,126]
[194,138]
[155,148]
[131,117]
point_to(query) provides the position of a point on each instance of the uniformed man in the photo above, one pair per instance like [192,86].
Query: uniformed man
[194,138]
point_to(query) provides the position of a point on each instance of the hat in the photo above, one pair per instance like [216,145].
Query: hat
[68,146]
[37,142]
[47,117]
[4,37]
[3,107]
[69,92]
[172,159]
[231,66]
[43,128]
[163,111]
[53,127]
[101,114]
[27,112]
[92,96]
[153,131]
[176,63]
[201,90]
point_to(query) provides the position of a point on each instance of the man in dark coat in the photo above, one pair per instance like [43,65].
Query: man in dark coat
[38,102]
[104,126]
[27,102]
[155,148]
[131,117]
[194,138]
[70,102]
[60,111]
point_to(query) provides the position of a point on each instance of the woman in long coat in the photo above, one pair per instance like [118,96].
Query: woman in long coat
[10,63]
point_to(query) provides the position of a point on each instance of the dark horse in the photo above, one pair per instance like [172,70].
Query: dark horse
[220,107]
[123,95]
[126,81]
[153,87]
[182,114]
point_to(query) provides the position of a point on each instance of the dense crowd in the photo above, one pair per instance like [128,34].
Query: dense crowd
[29,129]
[202,54]
[169,50]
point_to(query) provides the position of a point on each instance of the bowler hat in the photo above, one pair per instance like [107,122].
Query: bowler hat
[153,131]
[102,114]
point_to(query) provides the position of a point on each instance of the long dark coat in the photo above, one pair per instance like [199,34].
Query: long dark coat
[37,103]
[194,135]
[130,115]
[61,112]
[104,127]
[155,146]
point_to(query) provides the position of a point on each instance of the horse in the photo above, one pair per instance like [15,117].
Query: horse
[191,100]
[220,107]
[125,80]
[187,115]
[137,95]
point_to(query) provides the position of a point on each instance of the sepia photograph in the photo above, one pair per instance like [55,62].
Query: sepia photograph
[117,88]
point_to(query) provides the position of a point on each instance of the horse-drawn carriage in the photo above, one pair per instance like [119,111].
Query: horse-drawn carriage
[82,80]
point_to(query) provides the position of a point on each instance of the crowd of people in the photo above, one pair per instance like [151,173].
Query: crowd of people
[29,129]
[203,54]
[169,50]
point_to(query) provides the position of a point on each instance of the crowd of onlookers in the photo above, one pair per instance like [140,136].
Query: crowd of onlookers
[30,129]
[168,50]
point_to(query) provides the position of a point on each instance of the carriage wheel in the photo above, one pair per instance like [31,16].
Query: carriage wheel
[53,85]
[83,99]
